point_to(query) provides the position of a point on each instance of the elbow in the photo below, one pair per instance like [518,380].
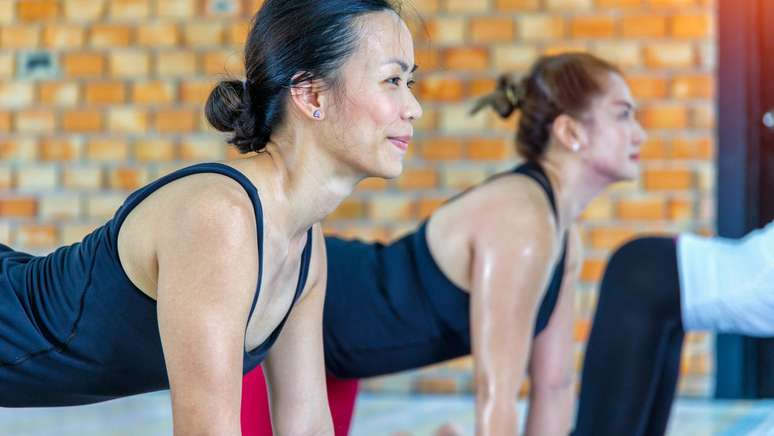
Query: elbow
[554,386]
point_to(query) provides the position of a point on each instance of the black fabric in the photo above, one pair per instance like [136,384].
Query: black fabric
[632,358]
[390,308]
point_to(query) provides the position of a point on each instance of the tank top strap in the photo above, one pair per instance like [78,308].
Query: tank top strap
[534,171]
[209,167]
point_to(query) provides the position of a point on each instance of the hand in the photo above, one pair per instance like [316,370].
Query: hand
[449,429]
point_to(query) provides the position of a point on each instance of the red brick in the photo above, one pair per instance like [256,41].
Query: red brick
[441,149]
[63,94]
[349,209]
[129,9]
[642,209]
[609,237]
[127,178]
[219,62]
[592,27]
[84,64]
[19,150]
[5,122]
[692,149]
[59,149]
[670,55]
[643,26]
[154,150]
[681,209]
[63,36]
[107,149]
[176,8]
[130,63]
[693,86]
[110,36]
[541,27]
[105,93]
[153,93]
[439,88]
[427,59]
[127,120]
[671,3]
[696,26]
[196,93]
[176,64]
[204,34]
[35,121]
[668,179]
[664,117]
[37,10]
[647,86]
[653,149]
[20,207]
[489,149]
[592,270]
[158,35]
[467,5]
[418,178]
[517,5]
[237,33]
[39,236]
[372,184]
[618,3]
[23,37]
[168,121]
[491,29]
[466,58]
[427,205]
[82,121]
[84,10]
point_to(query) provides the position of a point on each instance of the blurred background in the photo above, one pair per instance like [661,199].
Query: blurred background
[99,97]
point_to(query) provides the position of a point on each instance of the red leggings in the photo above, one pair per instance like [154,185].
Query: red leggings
[256,419]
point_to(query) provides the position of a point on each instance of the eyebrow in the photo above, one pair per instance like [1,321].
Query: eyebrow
[403,66]
[624,103]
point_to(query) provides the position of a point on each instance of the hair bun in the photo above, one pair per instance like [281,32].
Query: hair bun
[505,99]
[225,104]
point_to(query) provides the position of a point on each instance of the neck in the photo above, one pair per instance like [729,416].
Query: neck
[574,184]
[304,184]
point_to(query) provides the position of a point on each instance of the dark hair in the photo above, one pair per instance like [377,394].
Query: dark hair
[290,42]
[559,84]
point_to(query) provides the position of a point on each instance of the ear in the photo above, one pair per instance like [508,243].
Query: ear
[569,133]
[307,98]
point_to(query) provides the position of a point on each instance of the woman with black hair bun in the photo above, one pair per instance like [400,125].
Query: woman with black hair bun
[492,272]
[191,282]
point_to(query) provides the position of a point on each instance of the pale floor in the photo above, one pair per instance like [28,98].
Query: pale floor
[376,415]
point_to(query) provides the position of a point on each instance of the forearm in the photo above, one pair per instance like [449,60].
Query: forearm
[550,411]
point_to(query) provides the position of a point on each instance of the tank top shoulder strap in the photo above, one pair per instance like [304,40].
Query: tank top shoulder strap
[209,167]
[534,171]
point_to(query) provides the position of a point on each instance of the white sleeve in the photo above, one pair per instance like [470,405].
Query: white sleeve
[727,285]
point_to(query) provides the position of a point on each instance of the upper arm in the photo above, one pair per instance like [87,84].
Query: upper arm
[205,287]
[295,367]
[552,363]
[511,266]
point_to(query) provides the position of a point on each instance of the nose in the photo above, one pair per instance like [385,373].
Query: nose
[412,110]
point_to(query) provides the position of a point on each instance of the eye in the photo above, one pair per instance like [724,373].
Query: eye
[625,115]
[411,83]
[394,81]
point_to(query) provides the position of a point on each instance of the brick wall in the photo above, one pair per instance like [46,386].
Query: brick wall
[98,97]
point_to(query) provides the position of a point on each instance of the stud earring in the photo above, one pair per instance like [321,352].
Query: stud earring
[575,146]
[317,114]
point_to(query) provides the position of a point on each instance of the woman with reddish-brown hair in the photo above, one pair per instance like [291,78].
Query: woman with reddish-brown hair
[492,272]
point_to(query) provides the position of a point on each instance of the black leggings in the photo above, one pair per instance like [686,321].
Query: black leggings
[633,355]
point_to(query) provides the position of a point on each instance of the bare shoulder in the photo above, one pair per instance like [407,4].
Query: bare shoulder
[513,206]
[209,208]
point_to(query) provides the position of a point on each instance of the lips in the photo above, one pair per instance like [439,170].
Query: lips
[401,142]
